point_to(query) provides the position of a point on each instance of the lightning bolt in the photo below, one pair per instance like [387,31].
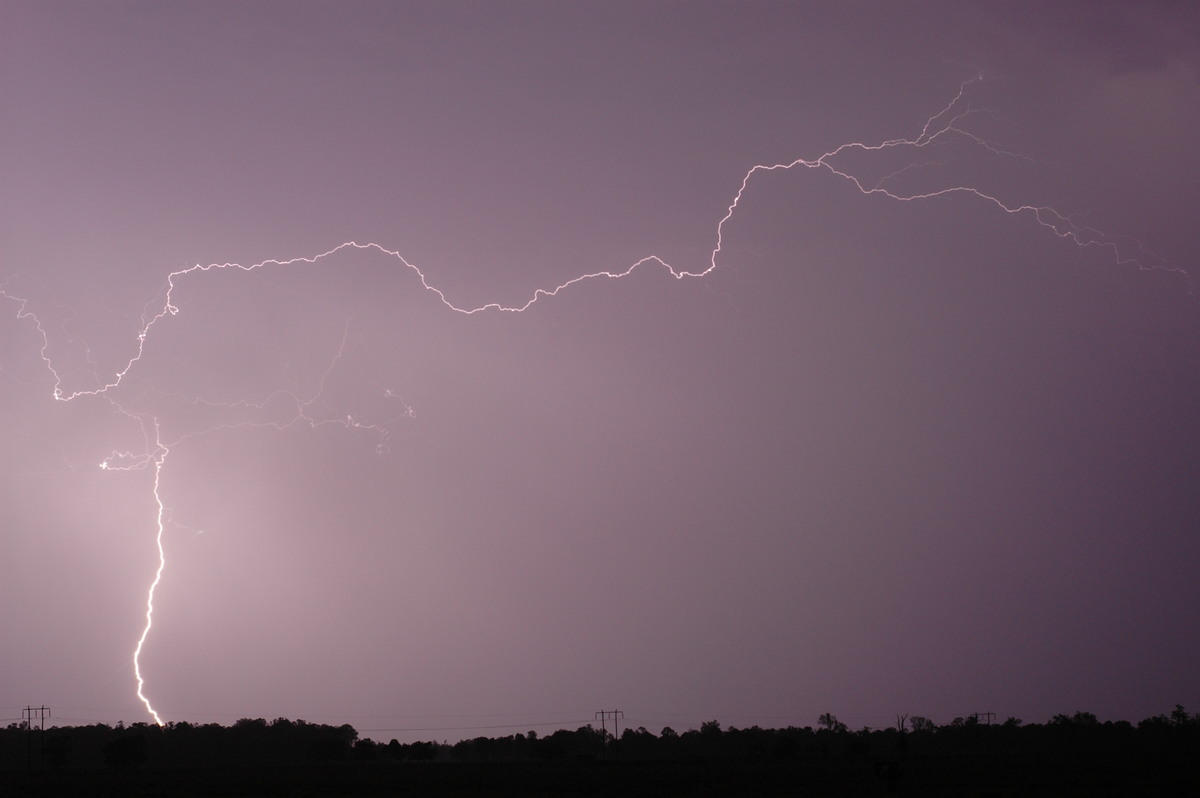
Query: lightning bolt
[949,126]
[130,461]
[155,461]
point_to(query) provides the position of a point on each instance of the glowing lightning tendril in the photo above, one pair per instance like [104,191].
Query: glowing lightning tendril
[942,126]
[160,457]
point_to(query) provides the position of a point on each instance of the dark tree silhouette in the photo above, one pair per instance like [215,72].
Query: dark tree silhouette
[830,722]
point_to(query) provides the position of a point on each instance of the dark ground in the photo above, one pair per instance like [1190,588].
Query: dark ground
[978,775]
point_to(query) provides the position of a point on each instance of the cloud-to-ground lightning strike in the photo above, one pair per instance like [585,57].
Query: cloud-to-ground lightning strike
[155,460]
[949,125]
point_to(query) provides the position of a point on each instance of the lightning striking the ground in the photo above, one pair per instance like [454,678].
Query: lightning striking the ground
[949,127]
[127,462]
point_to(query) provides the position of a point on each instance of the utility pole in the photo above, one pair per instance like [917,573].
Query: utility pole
[988,715]
[27,714]
[603,715]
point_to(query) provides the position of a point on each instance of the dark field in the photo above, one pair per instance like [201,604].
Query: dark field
[920,776]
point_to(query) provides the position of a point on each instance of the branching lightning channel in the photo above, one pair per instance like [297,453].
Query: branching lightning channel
[948,125]
[154,456]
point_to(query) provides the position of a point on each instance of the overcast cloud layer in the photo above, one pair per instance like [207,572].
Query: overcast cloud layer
[888,457]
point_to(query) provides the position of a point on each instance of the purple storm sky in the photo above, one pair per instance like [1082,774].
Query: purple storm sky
[889,456]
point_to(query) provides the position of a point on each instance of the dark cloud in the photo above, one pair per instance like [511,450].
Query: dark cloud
[889,456]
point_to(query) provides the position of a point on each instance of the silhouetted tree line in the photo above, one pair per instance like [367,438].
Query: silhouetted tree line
[281,742]
[178,744]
